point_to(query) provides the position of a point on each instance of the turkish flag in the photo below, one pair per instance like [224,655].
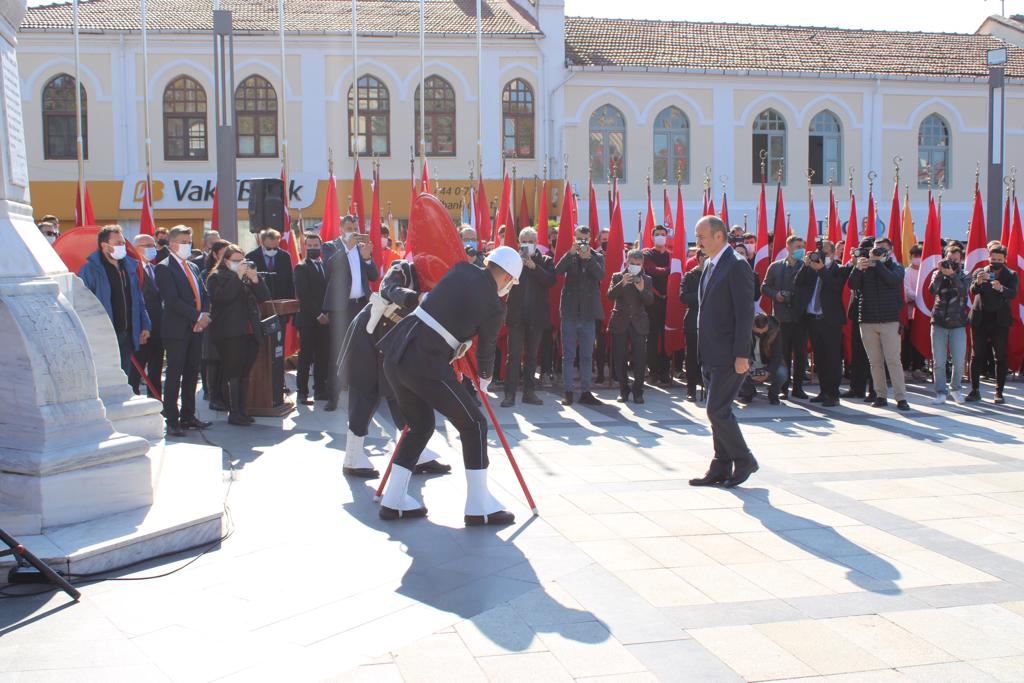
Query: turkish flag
[852,242]
[675,311]
[835,228]
[781,231]
[543,241]
[1004,236]
[762,259]
[901,252]
[357,199]
[89,218]
[812,221]
[977,243]
[566,234]
[425,179]
[613,257]
[648,238]
[869,229]
[1015,262]
[375,236]
[483,215]
[523,215]
[595,224]
[214,220]
[920,332]
[147,226]
[330,228]
[725,210]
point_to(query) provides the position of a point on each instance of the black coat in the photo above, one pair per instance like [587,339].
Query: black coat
[528,301]
[830,295]
[950,292]
[769,346]
[281,284]
[581,293]
[234,304]
[726,315]
[180,312]
[688,295]
[154,304]
[310,287]
[339,281]
[631,304]
[881,289]
[988,300]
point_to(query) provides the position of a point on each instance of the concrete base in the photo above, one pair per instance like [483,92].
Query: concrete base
[187,510]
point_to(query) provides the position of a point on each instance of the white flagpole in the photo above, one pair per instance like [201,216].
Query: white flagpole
[145,107]
[423,78]
[284,99]
[78,118]
[355,85]
[479,87]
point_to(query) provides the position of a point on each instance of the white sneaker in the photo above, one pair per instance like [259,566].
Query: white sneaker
[957,396]
[939,399]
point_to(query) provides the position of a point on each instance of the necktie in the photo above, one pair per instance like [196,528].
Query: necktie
[192,281]
[706,279]
[319,268]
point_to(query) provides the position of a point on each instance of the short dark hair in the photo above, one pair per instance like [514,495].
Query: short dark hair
[106,231]
[749,236]
[49,218]
[916,250]
[793,238]
[659,227]
[348,218]
[997,250]
[879,240]
[311,236]
[954,248]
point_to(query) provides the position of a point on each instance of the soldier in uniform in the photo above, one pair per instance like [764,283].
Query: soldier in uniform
[418,357]
[399,295]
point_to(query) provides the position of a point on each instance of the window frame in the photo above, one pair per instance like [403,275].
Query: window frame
[432,118]
[762,127]
[605,132]
[258,115]
[826,135]
[66,119]
[187,118]
[516,120]
[928,152]
[671,134]
[366,115]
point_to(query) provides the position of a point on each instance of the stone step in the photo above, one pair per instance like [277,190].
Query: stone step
[19,522]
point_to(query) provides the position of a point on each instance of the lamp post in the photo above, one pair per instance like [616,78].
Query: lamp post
[996,133]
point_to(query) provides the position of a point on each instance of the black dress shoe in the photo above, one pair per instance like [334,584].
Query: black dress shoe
[998,399]
[175,430]
[880,402]
[746,400]
[852,394]
[818,399]
[508,402]
[973,397]
[742,473]
[638,399]
[303,400]
[532,399]
[238,420]
[830,403]
[774,400]
[331,406]
[623,398]
[902,405]
[567,399]
[218,407]
[871,397]
[692,398]
[499,518]
[588,399]
[799,393]
[362,472]
[432,467]
[717,474]
[392,514]
[194,423]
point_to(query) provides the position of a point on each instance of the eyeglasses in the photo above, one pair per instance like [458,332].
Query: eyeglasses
[52,234]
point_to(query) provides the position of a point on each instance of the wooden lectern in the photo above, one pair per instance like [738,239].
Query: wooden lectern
[266,379]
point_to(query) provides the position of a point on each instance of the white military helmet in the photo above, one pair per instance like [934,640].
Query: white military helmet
[508,259]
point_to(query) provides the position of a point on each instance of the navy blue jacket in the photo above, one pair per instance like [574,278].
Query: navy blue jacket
[95,277]
[726,315]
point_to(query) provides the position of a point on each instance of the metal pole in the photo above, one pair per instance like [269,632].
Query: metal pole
[224,86]
[284,115]
[355,83]
[79,144]
[423,78]
[145,106]
[479,87]
[996,133]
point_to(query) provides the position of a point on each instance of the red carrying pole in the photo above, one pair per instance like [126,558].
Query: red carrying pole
[142,374]
[468,360]
[387,472]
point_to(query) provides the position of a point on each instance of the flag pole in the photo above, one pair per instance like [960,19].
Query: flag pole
[423,79]
[355,84]
[479,87]
[145,107]
[284,105]
[79,145]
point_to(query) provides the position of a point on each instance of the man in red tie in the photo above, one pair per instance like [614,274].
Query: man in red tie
[185,316]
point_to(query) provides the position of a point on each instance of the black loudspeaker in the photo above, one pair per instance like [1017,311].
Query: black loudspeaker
[266,204]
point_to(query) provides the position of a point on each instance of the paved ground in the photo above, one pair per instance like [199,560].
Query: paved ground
[872,546]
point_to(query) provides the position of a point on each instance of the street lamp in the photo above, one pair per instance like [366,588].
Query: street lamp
[996,59]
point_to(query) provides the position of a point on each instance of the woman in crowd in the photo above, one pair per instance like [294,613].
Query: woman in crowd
[214,387]
[235,292]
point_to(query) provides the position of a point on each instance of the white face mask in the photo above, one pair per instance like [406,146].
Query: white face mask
[270,252]
[184,250]
[234,265]
[118,252]
[51,239]
[915,261]
[347,236]
[507,288]
[530,248]
[634,269]
[149,253]
[828,260]
[660,240]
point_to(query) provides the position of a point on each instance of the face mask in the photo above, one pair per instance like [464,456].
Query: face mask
[659,240]
[469,244]
[162,242]
[270,252]
[634,269]
[995,266]
[799,253]
[604,246]
[915,261]
[347,236]
[51,239]
[507,288]
[313,254]
[184,250]
[118,252]
[234,265]
[149,253]
[383,242]
[828,260]
[530,247]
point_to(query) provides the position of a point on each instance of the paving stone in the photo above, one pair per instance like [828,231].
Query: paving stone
[750,653]
[944,630]
[439,658]
[960,672]
[683,661]
[588,649]
[824,650]
[885,640]
[1006,669]
[497,631]
[531,666]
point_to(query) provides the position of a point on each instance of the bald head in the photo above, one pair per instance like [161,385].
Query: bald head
[711,235]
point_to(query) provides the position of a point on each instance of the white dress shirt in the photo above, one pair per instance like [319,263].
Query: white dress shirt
[355,265]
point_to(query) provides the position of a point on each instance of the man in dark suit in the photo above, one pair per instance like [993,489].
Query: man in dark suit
[311,321]
[633,292]
[689,295]
[820,284]
[529,314]
[724,324]
[349,275]
[185,316]
[151,354]
[337,245]
[269,258]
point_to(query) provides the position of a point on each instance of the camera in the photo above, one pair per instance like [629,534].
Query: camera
[879,252]
[583,244]
[860,253]
[524,251]
[248,264]
[816,257]
[948,264]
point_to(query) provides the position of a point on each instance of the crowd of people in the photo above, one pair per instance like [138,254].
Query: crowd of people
[192,314]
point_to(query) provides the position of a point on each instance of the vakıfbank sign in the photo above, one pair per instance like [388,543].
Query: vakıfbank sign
[195,191]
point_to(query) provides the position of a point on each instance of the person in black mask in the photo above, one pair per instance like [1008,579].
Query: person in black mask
[994,288]
[310,277]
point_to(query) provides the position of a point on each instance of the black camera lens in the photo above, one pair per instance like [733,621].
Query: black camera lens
[879,251]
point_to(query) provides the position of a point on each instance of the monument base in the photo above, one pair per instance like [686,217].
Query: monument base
[187,510]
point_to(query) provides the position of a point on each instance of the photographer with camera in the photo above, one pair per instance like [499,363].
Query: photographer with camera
[994,288]
[820,283]
[527,316]
[767,367]
[879,279]
[658,265]
[632,292]
[949,285]
[235,293]
[780,286]
[472,245]
[580,307]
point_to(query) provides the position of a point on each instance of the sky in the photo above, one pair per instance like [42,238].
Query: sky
[955,16]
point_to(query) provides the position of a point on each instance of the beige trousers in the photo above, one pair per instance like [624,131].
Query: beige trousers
[882,344]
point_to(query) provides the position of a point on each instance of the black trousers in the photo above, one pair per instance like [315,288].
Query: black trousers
[692,360]
[638,351]
[794,351]
[657,359]
[367,382]
[827,342]
[988,340]
[151,357]
[237,355]
[314,347]
[601,351]
[422,390]
[911,357]
[523,343]
[339,323]
[860,369]
[723,385]
[182,376]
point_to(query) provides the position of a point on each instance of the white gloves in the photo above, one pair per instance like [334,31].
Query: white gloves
[484,383]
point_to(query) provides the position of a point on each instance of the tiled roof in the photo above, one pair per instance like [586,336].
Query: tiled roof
[314,16]
[627,43]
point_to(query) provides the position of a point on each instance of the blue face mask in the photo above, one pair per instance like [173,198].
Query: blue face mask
[798,254]
[149,253]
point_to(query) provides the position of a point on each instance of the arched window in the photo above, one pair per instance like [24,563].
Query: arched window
[769,135]
[374,135]
[607,144]
[59,119]
[184,120]
[933,143]
[439,99]
[256,118]
[517,119]
[825,148]
[672,146]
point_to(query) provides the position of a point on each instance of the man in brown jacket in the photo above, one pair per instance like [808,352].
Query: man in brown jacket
[632,292]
